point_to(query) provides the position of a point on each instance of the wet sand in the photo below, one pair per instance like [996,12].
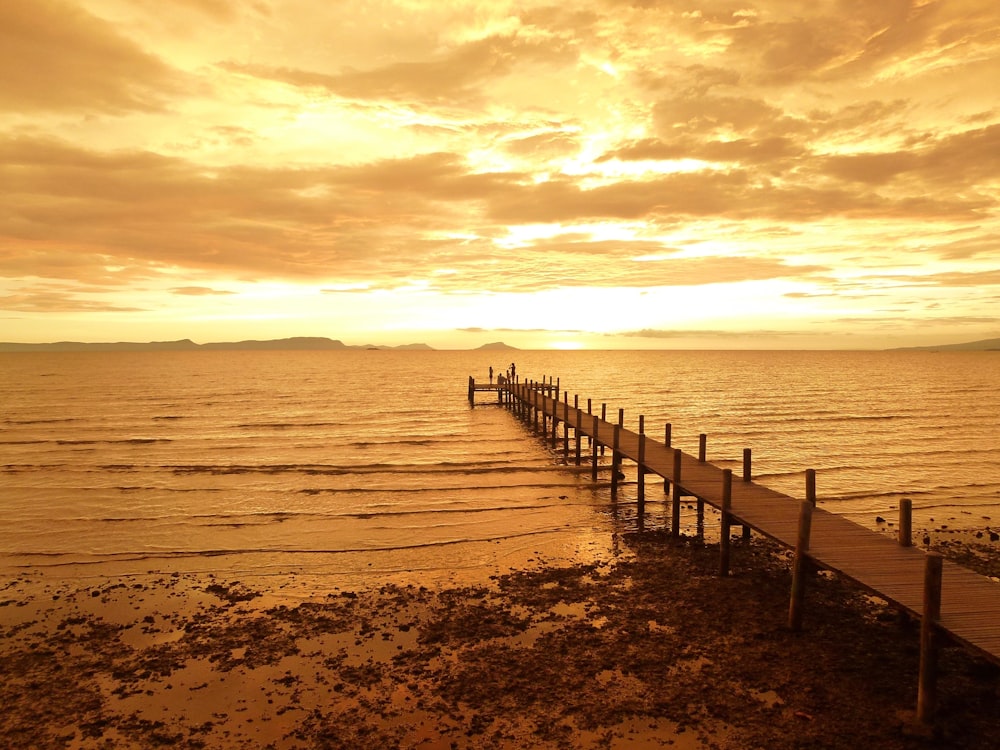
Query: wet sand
[651,650]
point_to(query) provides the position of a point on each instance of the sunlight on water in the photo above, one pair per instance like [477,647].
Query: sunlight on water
[364,458]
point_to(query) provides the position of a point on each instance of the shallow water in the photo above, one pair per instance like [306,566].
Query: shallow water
[363,461]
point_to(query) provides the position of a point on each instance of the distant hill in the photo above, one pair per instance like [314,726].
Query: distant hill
[983,345]
[299,343]
[497,346]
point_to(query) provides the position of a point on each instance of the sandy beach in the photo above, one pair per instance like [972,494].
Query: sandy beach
[652,650]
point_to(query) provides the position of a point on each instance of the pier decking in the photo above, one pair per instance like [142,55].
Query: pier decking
[947,598]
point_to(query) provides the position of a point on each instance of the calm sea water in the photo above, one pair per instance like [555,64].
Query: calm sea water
[370,461]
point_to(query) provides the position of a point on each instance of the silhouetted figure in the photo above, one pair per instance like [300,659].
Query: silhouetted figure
[513,371]
[491,374]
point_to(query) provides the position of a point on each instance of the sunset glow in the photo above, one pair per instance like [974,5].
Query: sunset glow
[600,174]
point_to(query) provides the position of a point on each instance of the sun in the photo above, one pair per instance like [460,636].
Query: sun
[566,345]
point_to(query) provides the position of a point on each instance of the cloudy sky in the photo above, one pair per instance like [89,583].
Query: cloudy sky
[598,173]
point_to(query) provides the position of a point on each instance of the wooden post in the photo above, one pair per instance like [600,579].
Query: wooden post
[906,522]
[604,418]
[725,522]
[593,447]
[675,497]
[700,502]
[555,419]
[579,425]
[472,390]
[746,478]
[927,684]
[641,477]
[566,427]
[616,462]
[799,562]
[666,442]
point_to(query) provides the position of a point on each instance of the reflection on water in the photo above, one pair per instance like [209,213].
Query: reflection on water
[373,460]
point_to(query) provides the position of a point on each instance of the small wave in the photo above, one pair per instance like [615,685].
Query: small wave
[422,490]
[444,467]
[122,441]
[240,520]
[285,425]
[849,496]
[48,420]
[65,559]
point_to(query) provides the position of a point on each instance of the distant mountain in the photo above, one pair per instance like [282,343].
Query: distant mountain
[400,348]
[497,346]
[983,345]
[296,343]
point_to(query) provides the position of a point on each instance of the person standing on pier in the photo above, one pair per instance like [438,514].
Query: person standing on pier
[491,374]
[513,372]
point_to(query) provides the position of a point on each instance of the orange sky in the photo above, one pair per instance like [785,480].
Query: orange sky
[600,173]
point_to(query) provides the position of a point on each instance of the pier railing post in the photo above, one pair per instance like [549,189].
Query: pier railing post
[616,461]
[927,685]
[905,522]
[747,476]
[700,502]
[725,522]
[666,443]
[555,419]
[579,424]
[593,447]
[566,427]
[472,390]
[800,561]
[641,476]
[604,418]
[675,496]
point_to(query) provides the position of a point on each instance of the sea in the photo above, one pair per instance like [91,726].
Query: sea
[358,464]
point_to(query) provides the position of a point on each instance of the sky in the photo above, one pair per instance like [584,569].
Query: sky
[599,174]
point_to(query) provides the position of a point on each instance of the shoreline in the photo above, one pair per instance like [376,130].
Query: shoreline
[651,649]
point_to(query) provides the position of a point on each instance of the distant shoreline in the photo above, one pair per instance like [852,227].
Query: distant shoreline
[297,343]
[322,343]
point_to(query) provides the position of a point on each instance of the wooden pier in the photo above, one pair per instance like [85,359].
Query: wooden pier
[949,600]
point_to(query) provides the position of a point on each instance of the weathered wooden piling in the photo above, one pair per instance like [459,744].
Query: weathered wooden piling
[800,562]
[905,522]
[640,481]
[747,477]
[725,522]
[675,495]
[576,431]
[616,461]
[927,682]
[593,447]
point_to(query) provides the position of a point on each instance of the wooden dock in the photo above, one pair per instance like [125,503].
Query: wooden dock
[948,599]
